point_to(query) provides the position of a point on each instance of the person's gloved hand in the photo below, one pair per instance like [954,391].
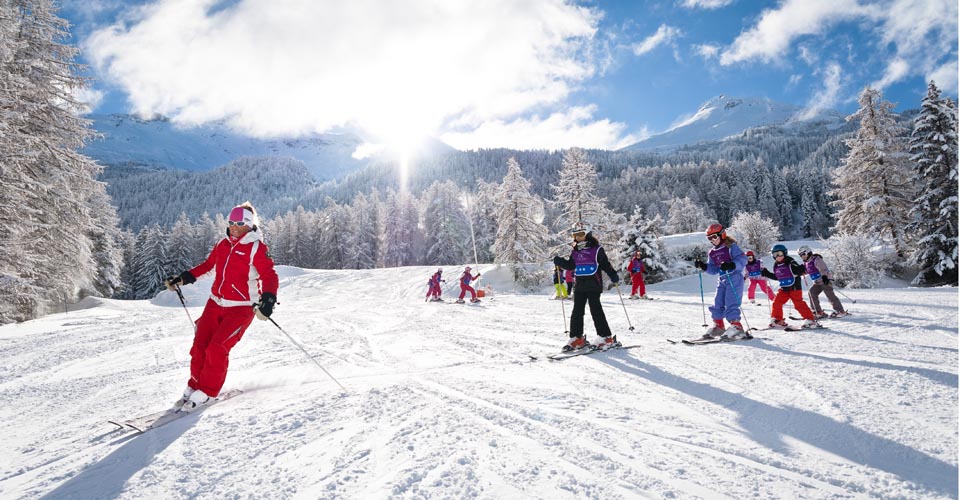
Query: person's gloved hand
[557,260]
[699,264]
[185,278]
[728,266]
[265,308]
[826,280]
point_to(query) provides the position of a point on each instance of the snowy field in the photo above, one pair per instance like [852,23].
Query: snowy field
[443,401]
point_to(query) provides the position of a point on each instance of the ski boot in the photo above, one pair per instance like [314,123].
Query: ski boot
[197,400]
[714,331]
[811,323]
[474,301]
[459,301]
[736,332]
[778,323]
[576,343]
[839,314]
[608,343]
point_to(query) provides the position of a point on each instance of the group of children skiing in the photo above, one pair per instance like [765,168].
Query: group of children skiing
[434,291]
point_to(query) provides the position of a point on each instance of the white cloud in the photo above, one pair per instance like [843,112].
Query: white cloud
[664,34]
[574,127]
[769,40]
[794,80]
[707,50]
[828,96]
[87,98]
[283,67]
[945,77]
[896,70]
[706,4]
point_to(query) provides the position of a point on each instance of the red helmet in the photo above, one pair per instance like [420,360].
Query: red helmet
[716,229]
[750,253]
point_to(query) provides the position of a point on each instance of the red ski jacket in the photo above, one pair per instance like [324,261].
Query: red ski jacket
[243,268]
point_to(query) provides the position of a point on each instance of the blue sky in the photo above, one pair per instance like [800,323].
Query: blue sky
[532,74]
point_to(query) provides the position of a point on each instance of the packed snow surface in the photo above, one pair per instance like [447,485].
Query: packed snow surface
[443,401]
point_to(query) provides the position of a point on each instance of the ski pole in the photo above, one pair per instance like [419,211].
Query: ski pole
[624,306]
[294,342]
[182,301]
[702,303]
[835,289]
[563,308]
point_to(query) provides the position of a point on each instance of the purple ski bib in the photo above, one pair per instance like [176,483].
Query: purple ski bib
[812,270]
[719,255]
[753,270]
[585,261]
[784,274]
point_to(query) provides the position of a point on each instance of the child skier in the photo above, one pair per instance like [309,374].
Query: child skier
[465,287]
[559,284]
[587,260]
[786,271]
[726,260]
[754,266]
[820,274]
[433,284]
[568,277]
[636,277]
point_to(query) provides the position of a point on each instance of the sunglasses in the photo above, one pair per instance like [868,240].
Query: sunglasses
[236,223]
[712,237]
[778,254]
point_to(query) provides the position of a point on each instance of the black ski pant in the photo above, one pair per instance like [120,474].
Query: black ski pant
[580,300]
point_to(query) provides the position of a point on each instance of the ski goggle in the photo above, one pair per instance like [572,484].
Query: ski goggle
[236,223]
[578,233]
[804,254]
[714,236]
[778,253]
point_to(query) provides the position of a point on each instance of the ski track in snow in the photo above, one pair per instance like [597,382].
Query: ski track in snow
[444,402]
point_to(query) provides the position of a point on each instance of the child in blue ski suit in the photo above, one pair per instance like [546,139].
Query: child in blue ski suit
[726,260]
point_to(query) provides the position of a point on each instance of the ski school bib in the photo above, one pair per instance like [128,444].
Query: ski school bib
[812,270]
[753,270]
[585,261]
[784,274]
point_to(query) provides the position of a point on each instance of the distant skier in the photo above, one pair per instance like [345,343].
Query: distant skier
[465,287]
[820,275]
[433,286]
[753,268]
[727,261]
[568,277]
[559,284]
[787,271]
[244,277]
[587,260]
[636,270]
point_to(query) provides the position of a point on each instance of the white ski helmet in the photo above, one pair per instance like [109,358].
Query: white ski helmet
[804,250]
[467,269]
[580,228]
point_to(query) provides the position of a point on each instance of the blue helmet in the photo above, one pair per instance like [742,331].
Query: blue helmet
[779,248]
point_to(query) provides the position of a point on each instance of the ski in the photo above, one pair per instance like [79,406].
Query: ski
[800,328]
[560,356]
[702,341]
[152,421]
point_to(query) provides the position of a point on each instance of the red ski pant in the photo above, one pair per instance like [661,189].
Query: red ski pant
[764,287]
[218,330]
[467,288]
[433,291]
[637,280]
[793,295]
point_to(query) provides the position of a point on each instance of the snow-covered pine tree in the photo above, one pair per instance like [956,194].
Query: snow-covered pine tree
[575,195]
[685,216]
[754,231]
[402,235]
[872,184]
[933,146]
[107,245]
[446,224]
[178,246]
[643,234]
[148,272]
[521,236]
[483,212]
[44,177]
[206,234]
[364,239]
[128,243]
[334,236]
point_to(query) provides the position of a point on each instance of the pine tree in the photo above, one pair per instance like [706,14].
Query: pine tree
[483,213]
[206,234]
[334,236]
[106,238]
[933,146]
[643,234]
[576,197]
[402,235]
[447,227]
[151,255]
[873,191]
[364,242]
[178,247]
[521,235]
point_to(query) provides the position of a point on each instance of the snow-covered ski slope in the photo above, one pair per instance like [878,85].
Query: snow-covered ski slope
[443,401]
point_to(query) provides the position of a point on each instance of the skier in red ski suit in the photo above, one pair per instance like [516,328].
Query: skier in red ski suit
[245,284]
[636,269]
[465,287]
[433,292]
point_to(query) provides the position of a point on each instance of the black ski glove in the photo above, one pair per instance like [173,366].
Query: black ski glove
[826,280]
[699,264]
[557,261]
[728,266]
[185,278]
[265,308]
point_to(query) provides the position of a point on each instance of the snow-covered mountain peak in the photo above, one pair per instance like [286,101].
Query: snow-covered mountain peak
[723,116]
